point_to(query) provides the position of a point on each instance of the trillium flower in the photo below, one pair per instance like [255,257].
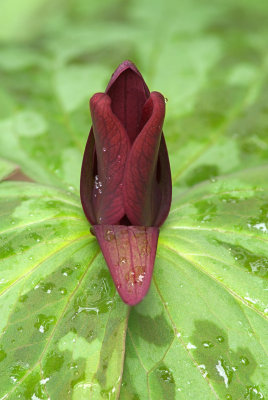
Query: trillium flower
[125,178]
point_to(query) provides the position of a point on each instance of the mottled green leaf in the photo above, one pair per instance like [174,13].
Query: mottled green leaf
[62,322]
[201,331]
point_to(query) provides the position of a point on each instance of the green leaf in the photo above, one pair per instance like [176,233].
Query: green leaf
[201,331]
[62,322]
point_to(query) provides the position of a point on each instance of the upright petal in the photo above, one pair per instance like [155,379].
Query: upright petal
[162,188]
[128,93]
[141,194]
[88,172]
[129,252]
[112,148]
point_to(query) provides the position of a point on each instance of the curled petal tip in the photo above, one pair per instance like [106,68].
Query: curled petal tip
[129,252]
[120,69]
[99,97]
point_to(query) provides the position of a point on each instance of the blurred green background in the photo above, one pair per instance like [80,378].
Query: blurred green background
[208,58]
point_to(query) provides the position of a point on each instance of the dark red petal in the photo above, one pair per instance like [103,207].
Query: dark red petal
[87,178]
[128,93]
[112,148]
[162,185]
[141,167]
[129,252]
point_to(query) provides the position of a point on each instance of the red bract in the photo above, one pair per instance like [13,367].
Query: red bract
[125,178]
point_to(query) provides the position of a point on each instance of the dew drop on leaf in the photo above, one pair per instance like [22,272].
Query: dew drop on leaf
[165,375]
[244,360]
[207,344]
[67,271]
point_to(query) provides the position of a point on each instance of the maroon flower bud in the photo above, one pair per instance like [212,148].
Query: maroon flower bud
[125,178]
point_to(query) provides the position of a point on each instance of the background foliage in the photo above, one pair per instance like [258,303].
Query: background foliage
[201,332]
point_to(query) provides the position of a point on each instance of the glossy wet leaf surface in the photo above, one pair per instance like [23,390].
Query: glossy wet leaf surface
[62,323]
[201,332]
[204,321]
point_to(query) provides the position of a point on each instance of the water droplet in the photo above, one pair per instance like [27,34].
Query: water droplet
[244,360]
[73,365]
[140,278]
[109,235]
[253,392]
[44,381]
[122,260]
[223,372]
[97,184]
[23,298]
[165,375]
[67,271]
[44,322]
[104,149]
[207,344]
[166,100]
[63,291]
[130,277]
[203,370]
[47,287]
[190,346]
[220,339]
[18,370]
